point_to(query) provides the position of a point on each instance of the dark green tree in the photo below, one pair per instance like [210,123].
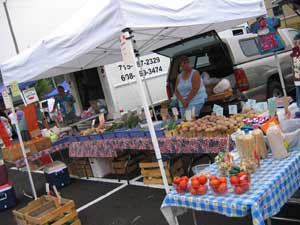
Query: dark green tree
[42,87]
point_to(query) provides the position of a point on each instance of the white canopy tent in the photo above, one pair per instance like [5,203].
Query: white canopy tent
[91,37]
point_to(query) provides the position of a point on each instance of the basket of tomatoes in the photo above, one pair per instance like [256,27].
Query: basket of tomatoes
[198,185]
[218,185]
[240,182]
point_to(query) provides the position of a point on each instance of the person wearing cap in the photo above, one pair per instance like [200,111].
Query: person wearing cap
[190,89]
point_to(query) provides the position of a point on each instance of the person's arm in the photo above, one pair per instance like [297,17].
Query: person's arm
[196,82]
[177,94]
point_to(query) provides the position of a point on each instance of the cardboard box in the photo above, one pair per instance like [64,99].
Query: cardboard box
[14,152]
[42,143]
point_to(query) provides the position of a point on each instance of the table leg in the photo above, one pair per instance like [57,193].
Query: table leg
[269,221]
[194,217]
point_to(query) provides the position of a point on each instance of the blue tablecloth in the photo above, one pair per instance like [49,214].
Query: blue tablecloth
[271,187]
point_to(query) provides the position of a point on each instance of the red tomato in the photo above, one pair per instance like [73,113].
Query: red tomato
[178,189]
[234,180]
[202,179]
[242,174]
[213,177]
[183,185]
[176,180]
[214,183]
[223,180]
[195,183]
[238,190]
[202,189]
[184,178]
[193,191]
[222,188]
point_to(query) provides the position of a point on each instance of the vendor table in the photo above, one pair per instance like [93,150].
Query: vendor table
[271,187]
[174,145]
[35,156]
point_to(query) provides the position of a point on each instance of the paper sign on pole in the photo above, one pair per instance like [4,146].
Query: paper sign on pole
[15,91]
[218,110]
[232,109]
[6,99]
[126,49]
[30,95]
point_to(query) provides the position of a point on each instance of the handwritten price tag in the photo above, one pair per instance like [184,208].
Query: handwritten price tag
[218,110]
[251,103]
[272,105]
[232,109]
[261,106]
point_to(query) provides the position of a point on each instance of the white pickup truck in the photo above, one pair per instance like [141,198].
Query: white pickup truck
[236,58]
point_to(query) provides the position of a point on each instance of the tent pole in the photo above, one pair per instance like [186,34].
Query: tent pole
[280,74]
[23,148]
[147,87]
[146,108]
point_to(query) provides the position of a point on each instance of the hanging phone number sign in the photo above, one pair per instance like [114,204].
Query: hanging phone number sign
[150,65]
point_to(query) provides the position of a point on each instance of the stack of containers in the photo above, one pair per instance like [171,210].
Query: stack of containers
[57,174]
[7,193]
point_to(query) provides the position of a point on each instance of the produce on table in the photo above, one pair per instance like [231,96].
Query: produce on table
[213,126]
[218,185]
[181,184]
[224,161]
[234,171]
[245,144]
[241,183]
[260,144]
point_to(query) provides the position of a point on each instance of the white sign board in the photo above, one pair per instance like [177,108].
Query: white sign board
[6,99]
[126,49]
[30,95]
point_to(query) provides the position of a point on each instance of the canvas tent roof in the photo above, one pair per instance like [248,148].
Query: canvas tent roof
[91,37]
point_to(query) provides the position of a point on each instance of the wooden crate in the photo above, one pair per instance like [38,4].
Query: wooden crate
[220,96]
[120,163]
[47,209]
[80,168]
[177,169]
[151,173]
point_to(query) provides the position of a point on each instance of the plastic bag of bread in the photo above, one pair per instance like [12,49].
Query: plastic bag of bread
[260,143]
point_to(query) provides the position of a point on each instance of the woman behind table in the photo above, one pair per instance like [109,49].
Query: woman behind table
[190,90]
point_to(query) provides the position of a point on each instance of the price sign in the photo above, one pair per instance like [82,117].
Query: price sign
[261,106]
[14,86]
[30,95]
[218,110]
[6,99]
[232,109]
[251,103]
[272,106]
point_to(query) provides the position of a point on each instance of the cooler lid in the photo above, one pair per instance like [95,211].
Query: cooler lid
[54,167]
[5,187]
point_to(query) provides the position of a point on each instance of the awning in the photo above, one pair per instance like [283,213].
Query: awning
[91,37]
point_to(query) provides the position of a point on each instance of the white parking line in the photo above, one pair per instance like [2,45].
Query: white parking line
[101,197]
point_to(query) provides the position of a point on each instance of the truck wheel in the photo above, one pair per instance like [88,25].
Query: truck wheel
[274,89]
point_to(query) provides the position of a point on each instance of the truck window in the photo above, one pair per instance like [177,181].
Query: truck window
[202,61]
[249,47]
[292,34]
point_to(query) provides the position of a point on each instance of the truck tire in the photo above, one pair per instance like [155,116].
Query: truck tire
[274,89]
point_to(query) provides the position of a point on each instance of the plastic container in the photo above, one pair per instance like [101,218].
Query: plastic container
[96,137]
[199,168]
[122,133]
[57,174]
[290,125]
[7,196]
[73,139]
[108,135]
[276,142]
[136,132]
